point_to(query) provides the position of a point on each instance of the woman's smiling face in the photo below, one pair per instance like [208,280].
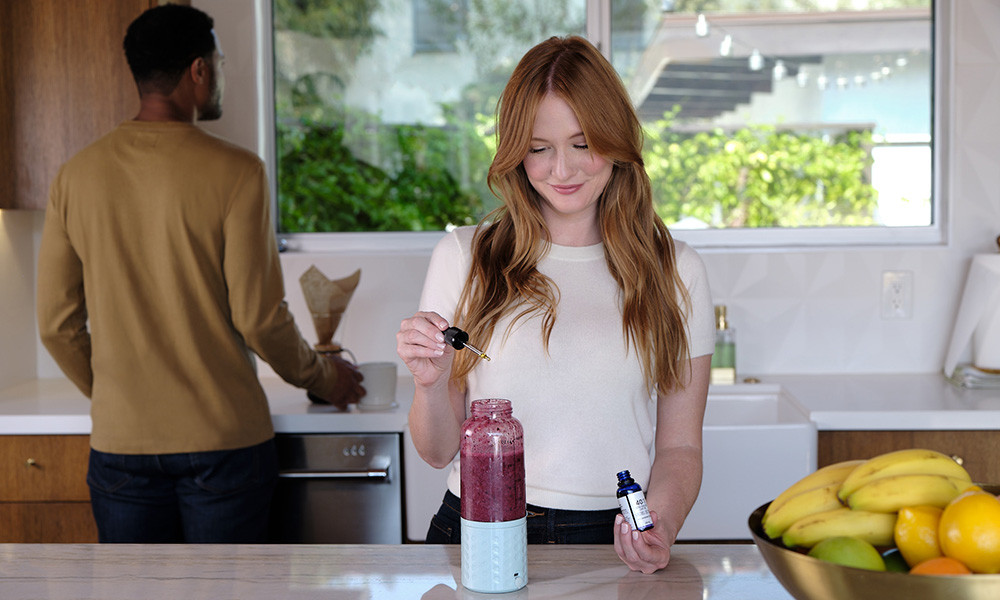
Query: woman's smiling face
[569,177]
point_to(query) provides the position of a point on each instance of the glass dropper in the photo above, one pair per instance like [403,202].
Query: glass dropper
[458,339]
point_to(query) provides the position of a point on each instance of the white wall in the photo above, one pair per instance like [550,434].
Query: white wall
[18,332]
[796,312]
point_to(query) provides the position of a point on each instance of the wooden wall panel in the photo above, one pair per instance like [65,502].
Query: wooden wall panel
[6,108]
[65,83]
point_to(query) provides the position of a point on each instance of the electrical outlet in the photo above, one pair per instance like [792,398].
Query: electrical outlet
[897,295]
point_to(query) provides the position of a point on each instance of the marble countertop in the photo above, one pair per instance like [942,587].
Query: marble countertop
[833,401]
[410,572]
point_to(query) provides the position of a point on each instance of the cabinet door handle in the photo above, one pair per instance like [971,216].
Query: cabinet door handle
[30,463]
[958,459]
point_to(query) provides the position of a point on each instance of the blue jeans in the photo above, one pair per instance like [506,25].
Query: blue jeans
[199,497]
[545,525]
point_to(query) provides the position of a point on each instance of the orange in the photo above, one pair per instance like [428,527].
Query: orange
[916,533]
[941,565]
[969,530]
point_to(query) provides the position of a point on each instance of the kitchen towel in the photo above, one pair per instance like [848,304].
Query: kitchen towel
[978,319]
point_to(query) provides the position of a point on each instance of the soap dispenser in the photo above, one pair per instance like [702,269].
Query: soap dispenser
[724,358]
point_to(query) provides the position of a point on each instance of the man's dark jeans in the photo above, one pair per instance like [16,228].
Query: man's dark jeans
[199,497]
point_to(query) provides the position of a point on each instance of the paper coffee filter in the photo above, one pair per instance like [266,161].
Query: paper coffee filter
[327,300]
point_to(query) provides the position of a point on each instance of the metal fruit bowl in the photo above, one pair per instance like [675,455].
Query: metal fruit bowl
[808,578]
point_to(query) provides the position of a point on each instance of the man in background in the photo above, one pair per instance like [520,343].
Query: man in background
[158,279]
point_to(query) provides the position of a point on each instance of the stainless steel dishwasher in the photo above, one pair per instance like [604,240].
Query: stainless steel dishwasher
[338,489]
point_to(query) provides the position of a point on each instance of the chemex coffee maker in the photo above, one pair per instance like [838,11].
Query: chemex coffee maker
[327,300]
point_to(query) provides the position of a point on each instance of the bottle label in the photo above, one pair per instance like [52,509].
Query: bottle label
[635,511]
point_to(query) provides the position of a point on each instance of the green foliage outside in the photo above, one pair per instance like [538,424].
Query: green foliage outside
[752,177]
[341,170]
[343,19]
[760,177]
[324,186]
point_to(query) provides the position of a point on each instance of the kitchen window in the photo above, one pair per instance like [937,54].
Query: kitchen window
[802,122]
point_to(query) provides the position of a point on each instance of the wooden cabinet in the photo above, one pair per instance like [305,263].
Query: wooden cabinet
[43,489]
[64,82]
[978,449]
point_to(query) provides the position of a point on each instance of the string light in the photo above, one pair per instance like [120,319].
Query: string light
[779,70]
[726,47]
[701,26]
[756,62]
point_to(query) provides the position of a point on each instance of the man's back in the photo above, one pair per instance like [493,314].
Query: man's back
[158,274]
[171,227]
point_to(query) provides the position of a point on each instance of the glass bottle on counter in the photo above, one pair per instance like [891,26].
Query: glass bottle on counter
[494,510]
[724,357]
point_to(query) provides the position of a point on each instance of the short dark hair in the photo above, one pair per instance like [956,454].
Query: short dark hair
[163,41]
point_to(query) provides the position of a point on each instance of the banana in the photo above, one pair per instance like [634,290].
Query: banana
[875,528]
[778,517]
[900,462]
[835,473]
[889,494]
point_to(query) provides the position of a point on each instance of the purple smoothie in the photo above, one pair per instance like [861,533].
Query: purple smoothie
[492,464]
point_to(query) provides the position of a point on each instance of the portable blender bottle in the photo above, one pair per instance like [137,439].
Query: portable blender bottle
[494,521]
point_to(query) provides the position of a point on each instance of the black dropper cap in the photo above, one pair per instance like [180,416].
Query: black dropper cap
[459,339]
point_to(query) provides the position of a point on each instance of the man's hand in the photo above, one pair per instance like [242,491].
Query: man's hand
[349,388]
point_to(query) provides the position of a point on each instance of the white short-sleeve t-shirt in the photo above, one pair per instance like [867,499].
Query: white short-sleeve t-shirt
[584,405]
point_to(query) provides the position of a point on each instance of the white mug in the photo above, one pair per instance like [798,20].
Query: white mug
[380,384]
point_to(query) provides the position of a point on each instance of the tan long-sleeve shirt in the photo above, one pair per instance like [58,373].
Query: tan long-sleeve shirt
[158,274]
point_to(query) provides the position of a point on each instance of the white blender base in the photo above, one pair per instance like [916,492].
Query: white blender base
[495,555]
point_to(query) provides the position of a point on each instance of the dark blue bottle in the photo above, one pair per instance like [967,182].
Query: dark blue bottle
[633,503]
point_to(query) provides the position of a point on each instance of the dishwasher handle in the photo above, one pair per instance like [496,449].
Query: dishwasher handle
[378,469]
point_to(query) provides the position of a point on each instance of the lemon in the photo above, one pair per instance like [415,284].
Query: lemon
[969,531]
[916,533]
[849,552]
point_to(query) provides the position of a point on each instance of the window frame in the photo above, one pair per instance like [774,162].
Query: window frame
[756,239]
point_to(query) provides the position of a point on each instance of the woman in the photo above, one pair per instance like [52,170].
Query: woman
[597,322]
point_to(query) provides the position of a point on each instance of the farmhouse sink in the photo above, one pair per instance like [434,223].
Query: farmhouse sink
[758,440]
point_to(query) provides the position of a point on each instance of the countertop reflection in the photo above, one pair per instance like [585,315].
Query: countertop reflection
[368,572]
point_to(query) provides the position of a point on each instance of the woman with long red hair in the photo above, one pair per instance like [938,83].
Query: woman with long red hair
[599,324]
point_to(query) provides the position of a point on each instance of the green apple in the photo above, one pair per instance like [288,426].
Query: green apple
[849,552]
